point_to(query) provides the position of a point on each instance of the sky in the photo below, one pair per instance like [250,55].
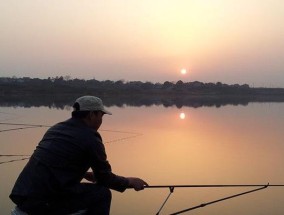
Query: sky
[228,41]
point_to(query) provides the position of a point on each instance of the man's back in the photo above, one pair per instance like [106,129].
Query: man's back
[59,161]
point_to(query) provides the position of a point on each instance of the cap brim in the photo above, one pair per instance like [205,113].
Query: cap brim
[106,112]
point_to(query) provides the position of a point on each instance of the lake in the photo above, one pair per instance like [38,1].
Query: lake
[231,144]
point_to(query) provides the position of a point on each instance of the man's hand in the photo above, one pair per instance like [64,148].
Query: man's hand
[136,183]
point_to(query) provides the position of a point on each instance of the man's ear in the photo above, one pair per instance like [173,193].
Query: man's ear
[95,113]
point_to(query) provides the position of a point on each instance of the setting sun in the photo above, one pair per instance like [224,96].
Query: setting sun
[183,71]
[182,115]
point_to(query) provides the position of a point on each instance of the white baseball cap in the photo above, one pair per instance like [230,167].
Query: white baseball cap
[91,103]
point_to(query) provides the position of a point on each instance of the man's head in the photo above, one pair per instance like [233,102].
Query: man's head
[90,109]
[90,103]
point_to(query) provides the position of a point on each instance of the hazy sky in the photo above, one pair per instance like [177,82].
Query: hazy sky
[232,41]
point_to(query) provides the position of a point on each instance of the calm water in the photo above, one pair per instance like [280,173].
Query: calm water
[207,145]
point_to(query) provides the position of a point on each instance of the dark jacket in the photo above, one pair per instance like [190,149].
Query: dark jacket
[59,162]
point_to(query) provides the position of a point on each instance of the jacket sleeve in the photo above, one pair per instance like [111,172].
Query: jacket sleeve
[102,169]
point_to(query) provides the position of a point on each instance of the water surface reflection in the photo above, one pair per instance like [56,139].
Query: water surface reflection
[227,145]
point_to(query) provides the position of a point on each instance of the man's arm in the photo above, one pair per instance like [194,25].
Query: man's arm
[89,176]
[133,182]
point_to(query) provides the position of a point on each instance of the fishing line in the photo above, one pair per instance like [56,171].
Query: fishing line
[47,126]
[111,141]
[14,160]
[23,124]
[116,131]
[122,139]
[13,155]
[116,140]
[15,129]
[132,134]
[10,161]
[21,128]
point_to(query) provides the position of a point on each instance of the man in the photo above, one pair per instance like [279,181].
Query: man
[50,183]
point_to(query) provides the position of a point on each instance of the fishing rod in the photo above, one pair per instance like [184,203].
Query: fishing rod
[219,200]
[172,187]
[214,185]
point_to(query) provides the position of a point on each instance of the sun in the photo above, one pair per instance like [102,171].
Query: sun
[183,71]
[182,115]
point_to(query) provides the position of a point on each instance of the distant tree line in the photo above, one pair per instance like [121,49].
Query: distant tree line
[61,91]
[67,85]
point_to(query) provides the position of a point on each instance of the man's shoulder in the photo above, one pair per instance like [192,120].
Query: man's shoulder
[76,130]
[70,123]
